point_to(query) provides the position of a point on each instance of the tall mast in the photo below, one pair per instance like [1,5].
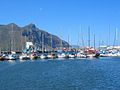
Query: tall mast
[68,42]
[82,40]
[12,38]
[109,36]
[61,43]
[42,42]
[94,41]
[116,37]
[99,43]
[21,40]
[25,40]
[89,36]
[78,42]
[51,42]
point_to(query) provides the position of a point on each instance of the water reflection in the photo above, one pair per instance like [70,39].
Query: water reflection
[12,61]
[22,60]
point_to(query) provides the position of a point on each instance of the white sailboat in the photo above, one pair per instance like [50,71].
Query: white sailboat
[12,55]
[43,56]
[61,54]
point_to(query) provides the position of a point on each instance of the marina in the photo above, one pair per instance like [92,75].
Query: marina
[29,54]
[60,45]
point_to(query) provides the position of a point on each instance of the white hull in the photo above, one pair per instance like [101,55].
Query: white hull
[24,57]
[43,56]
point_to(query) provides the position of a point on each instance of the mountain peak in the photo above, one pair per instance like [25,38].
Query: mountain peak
[15,25]
[32,25]
[12,24]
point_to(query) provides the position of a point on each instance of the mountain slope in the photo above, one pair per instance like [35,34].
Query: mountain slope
[13,37]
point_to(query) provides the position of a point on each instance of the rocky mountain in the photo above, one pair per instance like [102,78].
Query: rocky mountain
[14,37]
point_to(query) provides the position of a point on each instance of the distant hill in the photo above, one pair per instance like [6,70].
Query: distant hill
[13,37]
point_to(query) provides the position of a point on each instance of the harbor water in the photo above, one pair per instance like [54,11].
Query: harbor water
[72,74]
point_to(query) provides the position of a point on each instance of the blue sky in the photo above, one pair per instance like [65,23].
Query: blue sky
[66,17]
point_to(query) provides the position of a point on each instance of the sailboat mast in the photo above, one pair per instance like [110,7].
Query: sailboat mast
[12,38]
[94,41]
[42,42]
[21,40]
[68,43]
[115,38]
[89,36]
[51,42]
[61,43]
[109,36]
[82,40]
[78,40]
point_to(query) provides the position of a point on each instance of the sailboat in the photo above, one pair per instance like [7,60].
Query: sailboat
[61,54]
[80,53]
[115,51]
[70,53]
[12,55]
[24,55]
[51,55]
[91,52]
[43,55]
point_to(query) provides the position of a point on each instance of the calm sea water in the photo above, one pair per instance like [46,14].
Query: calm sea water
[72,74]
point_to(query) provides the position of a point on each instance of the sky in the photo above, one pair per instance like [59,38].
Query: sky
[67,18]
